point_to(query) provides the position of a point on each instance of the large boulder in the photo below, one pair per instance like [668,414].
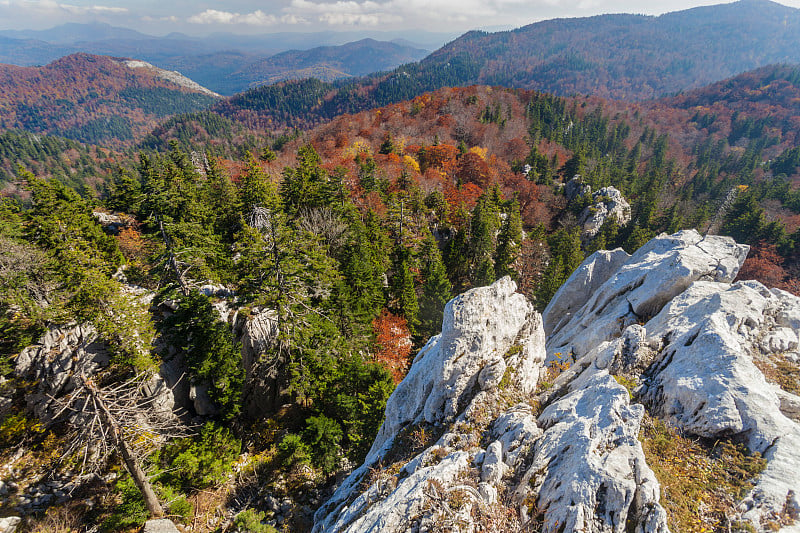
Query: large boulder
[490,454]
[671,320]
[606,203]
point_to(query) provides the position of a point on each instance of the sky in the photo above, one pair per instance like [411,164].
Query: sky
[202,17]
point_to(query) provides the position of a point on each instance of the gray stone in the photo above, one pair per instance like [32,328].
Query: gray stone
[608,202]
[9,524]
[160,525]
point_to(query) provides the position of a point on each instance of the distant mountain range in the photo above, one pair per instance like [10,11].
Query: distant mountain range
[628,57]
[631,56]
[223,62]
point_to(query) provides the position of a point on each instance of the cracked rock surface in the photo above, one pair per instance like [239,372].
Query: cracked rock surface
[565,456]
[493,456]
[671,320]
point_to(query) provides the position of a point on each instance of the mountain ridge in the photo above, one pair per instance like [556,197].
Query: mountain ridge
[91,98]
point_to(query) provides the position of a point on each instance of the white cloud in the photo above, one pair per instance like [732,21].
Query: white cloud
[359,19]
[96,10]
[373,13]
[50,7]
[213,16]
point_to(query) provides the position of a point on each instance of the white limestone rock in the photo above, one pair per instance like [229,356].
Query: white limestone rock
[258,335]
[589,469]
[586,279]
[448,387]
[607,202]
[159,525]
[651,277]
[707,384]
[453,384]
[56,362]
[480,326]
[670,320]
[265,376]
[9,524]
[493,466]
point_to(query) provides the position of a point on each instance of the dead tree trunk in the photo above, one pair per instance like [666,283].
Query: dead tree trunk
[131,464]
[173,262]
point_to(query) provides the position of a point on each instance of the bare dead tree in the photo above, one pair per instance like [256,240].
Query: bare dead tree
[172,258]
[123,417]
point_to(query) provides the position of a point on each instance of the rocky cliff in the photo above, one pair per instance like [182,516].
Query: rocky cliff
[483,434]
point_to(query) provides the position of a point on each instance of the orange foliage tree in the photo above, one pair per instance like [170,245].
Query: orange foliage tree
[393,341]
[764,264]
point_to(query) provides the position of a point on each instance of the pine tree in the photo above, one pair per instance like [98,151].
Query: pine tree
[509,243]
[361,290]
[254,187]
[403,290]
[288,270]
[565,257]
[484,224]
[456,254]
[387,147]
[436,289]
[306,185]
[224,202]
[209,349]
[124,192]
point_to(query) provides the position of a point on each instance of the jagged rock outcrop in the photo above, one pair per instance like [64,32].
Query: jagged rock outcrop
[265,375]
[637,290]
[493,462]
[470,439]
[670,319]
[61,356]
[606,202]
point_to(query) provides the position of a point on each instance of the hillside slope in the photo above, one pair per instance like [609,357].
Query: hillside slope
[628,57]
[94,98]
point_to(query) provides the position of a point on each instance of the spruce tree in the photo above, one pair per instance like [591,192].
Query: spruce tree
[509,243]
[565,257]
[254,187]
[436,289]
[403,289]
[484,224]
[361,290]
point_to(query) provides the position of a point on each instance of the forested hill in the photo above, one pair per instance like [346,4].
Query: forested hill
[94,98]
[333,253]
[633,57]
[326,63]
[629,57]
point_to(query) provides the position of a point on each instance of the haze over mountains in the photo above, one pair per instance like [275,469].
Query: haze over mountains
[222,61]
[629,57]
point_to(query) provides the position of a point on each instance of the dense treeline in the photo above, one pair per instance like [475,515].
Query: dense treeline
[67,160]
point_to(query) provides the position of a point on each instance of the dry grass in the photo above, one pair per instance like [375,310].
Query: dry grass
[700,484]
[777,369]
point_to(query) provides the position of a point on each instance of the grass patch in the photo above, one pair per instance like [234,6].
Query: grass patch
[779,370]
[700,484]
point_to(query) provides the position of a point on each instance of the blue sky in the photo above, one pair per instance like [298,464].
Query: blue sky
[267,16]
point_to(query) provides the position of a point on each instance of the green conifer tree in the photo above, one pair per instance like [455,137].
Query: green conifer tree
[509,243]
[436,289]
[403,288]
